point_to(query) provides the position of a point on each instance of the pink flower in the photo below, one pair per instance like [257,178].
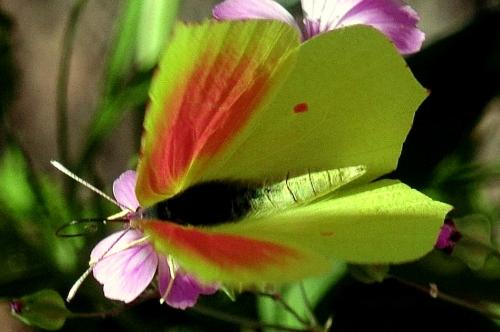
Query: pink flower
[130,265]
[448,237]
[396,20]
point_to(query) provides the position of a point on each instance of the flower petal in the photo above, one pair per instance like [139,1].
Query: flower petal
[184,291]
[448,237]
[396,20]
[124,273]
[253,9]
[124,190]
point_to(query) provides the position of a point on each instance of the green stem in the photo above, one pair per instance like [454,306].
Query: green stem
[63,79]
[278,298]
[243,322]
[308,304]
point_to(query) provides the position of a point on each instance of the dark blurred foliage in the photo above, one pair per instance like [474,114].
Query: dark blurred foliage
[393,307]
[7,68]
[462,73]
[154,317]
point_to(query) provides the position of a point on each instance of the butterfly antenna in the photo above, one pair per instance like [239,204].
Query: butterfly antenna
[78,283]
[72,175]
[89,226]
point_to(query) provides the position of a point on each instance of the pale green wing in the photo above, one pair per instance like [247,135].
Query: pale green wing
[380,223]
[245,101]
[349,100]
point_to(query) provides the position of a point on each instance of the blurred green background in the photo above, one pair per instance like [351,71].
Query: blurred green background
[74,77]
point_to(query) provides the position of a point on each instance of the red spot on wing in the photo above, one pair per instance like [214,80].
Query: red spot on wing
[225,250]
[301,108]
[326,233]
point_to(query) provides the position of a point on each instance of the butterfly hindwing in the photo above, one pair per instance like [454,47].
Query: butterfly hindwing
[292,244]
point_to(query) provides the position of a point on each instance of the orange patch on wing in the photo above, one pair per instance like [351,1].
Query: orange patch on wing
[218,97]
[224,250]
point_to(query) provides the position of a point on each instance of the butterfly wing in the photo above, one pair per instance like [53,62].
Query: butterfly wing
[382,222]
[211,80]
[246,101]
[349,99]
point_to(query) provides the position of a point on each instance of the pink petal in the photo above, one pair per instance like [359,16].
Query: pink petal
[253,9]
[124,190]
[448,236]
[126,273]
[396,20]
[185,290]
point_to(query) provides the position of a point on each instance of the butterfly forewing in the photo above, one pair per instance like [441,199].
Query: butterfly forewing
[212,79]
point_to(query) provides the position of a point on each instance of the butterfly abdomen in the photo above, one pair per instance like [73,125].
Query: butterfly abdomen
[302,189]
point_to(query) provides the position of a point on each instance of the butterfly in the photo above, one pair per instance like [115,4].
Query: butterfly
[298,132]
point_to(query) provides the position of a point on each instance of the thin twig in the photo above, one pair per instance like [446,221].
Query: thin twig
[308,304]
[63,79]
[278,298]
[243,322]
[432,291]
[149,294]
[100,314]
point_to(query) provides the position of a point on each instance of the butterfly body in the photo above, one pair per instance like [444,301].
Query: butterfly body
[217,202]
[206,204]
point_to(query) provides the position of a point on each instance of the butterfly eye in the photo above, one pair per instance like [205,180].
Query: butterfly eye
[83,227]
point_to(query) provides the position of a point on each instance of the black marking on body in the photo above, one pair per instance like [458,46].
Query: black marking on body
[208,203]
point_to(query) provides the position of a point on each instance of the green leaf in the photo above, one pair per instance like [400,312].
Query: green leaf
[270,311]
[288,3]
[16,195]
[156,20]
[369,273]
[44,309]
[121,57]
[110,115]
[117,97]
[475,245]
[63,253]
[459,182]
